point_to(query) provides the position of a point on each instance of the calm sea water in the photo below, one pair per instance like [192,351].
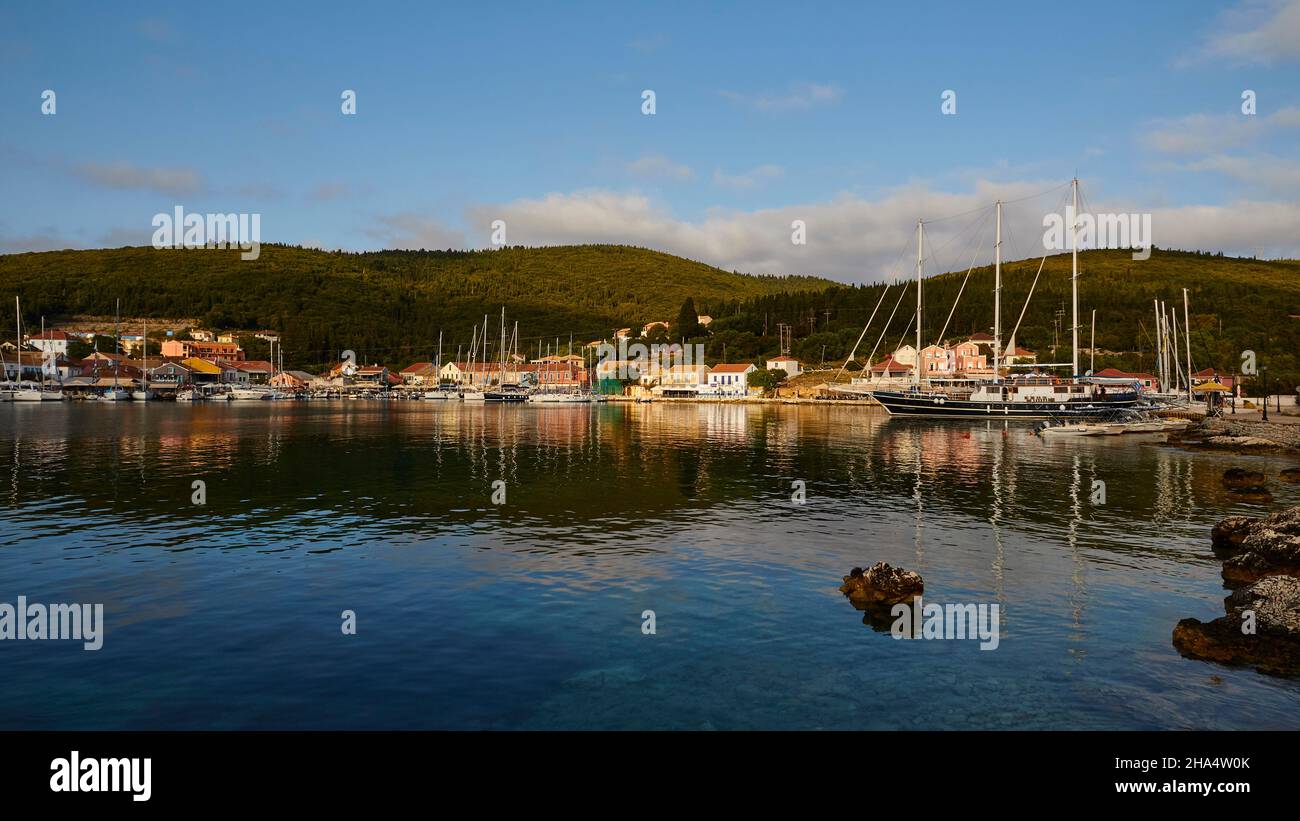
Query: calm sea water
[529,614]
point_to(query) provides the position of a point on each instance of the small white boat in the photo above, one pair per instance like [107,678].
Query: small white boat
[141,396]
[1082,429]
[250,394]
[115,395]
[473,395]
[441,393]
[567,397]
[188,396]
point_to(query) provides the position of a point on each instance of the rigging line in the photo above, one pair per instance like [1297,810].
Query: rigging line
[886,327]
[934,250]
[1028,297]
[960,291]
[1004,202]
[864,333]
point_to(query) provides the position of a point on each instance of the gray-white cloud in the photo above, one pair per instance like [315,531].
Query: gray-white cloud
[126,176]
[1257,32]
[659,167]
[796,98]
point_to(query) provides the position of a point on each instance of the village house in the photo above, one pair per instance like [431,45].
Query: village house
[169,374]
[1019,356]
[681,381]
[730,379]
[228,338]
[937,362]
[1212,374]
[650,327]
[202,371]
[788,364]
[554,375]
[55,342]
[187,348]
[254,371]
[200,335]
[970,360]
[890,368]
[420,373]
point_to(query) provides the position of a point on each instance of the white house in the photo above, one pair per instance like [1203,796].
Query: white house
[730,379]
[50,342]
[788,364]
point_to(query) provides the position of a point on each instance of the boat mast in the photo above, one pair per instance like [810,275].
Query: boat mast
[1092,344]
[18,326]
[1074,273]
[997,300]
[1187,338]
[1155,351]
[920,245]
[117,343]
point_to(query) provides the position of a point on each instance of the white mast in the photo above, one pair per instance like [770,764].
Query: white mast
[1187,338]
[1155,349]
[1074,275]
[18,325]
[920,245]
[43,343]
[1092,344]
[997,300]
[1173,315]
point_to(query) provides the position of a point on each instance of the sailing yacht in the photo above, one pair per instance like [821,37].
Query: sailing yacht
[445,390]
[144,394]
[29,391]
[115,393]
[1012,397]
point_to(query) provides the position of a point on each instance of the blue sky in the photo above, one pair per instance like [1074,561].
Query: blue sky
[765,113]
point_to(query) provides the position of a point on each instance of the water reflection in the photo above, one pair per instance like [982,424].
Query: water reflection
[502,613]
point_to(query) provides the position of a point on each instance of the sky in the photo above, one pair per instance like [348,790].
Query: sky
[533,114]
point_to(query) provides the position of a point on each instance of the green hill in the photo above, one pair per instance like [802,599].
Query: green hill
[387,306]
[1235,305]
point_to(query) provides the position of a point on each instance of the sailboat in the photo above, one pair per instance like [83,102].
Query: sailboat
[1013,397]
[445,390]
[115,393]
[506,392]
[144,393]
[473,392]
[30,391]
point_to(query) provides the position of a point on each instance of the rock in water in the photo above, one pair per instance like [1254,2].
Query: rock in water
[1242,478]
[1261,629]
[1290,475]
[1259,547]
[881,585]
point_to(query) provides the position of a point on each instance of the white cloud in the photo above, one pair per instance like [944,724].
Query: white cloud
[1208,133]
[657,166]
[1258,32]
[1262,170]
[409,231]
[796,98]
[748,179]
[125,176]
[856,240]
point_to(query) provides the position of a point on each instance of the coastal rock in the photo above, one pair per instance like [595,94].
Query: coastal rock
[881,585]
[1242,478]
[1255,495]
[1290,475]
[1259,547]
[1261,629]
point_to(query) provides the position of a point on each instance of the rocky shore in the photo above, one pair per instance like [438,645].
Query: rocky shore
[1243,436]
[1261,624]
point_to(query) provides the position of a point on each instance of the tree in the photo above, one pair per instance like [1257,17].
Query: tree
[687,325]
[767,380]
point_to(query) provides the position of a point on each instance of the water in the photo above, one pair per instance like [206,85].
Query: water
[529,614]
